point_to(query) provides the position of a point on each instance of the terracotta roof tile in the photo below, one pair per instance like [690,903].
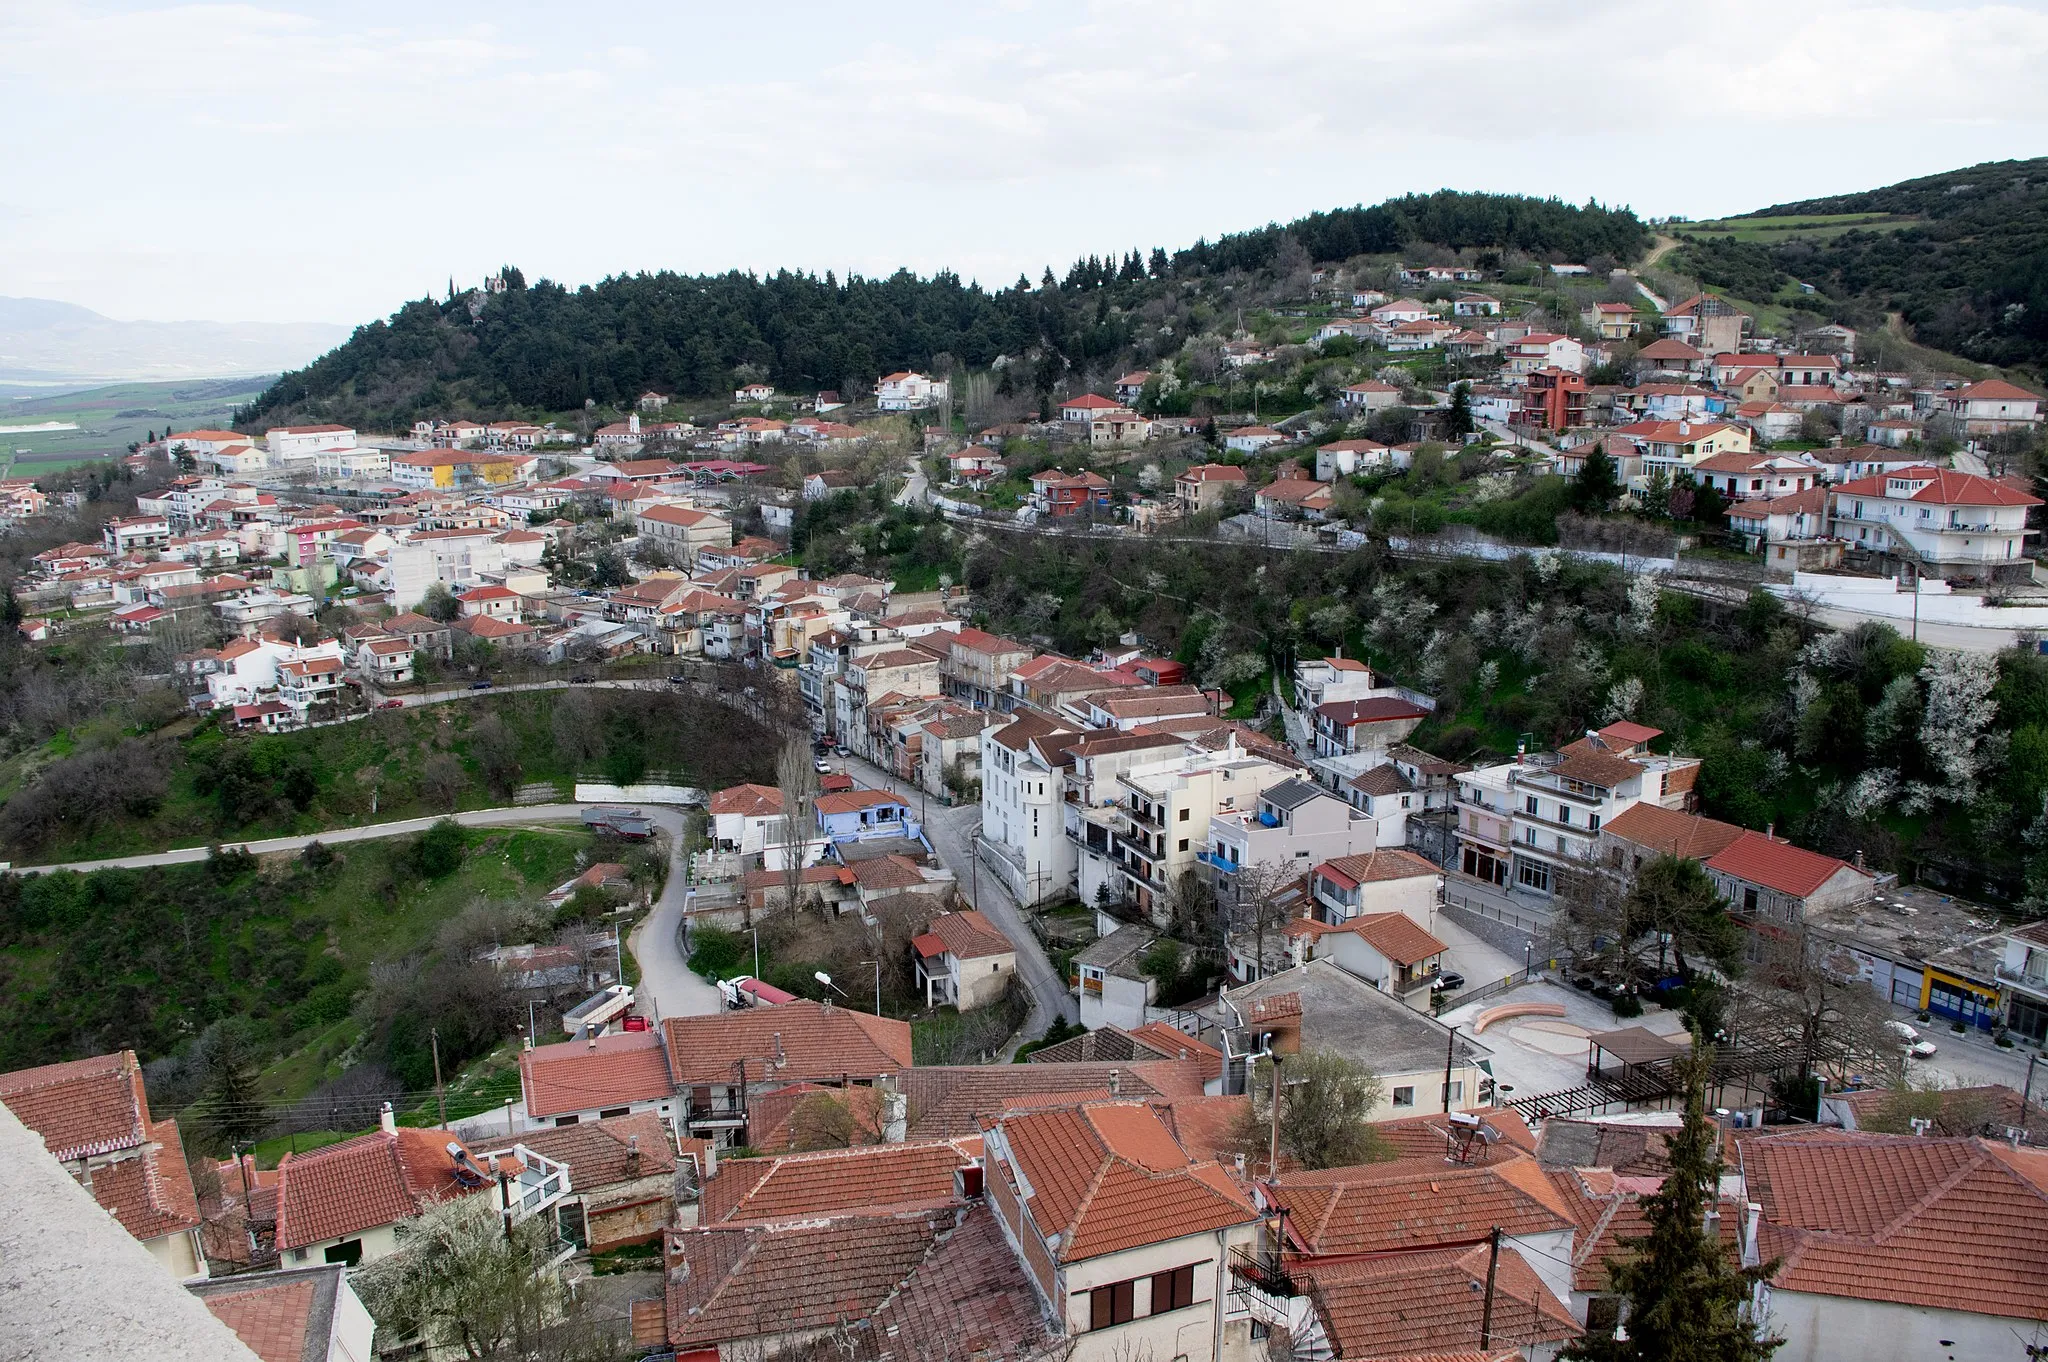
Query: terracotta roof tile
[614,1150]
[1392,863]
[753,801]
[969,935]
[816,1042]
[577,1076]
[274,1313]
[359,1184]
[1943,1224]
[1757,859]
[82,1107]
[834,1182]
[1396,936]
[151,1194]
[1372,1208]
[954,1100]
[1412,1304]
[1671,833]
[1110,1177]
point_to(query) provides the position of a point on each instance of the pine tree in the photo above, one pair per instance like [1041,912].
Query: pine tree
[1685,1301]
[1596,484]
[1160,265]
[1461,410]
[231,1110]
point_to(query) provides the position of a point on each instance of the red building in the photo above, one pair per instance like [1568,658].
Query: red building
[1555,399]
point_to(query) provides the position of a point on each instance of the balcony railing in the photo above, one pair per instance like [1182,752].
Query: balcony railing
[2033,983]
[725,1112]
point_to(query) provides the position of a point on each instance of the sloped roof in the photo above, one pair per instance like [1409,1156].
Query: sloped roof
[285,1316]
[1942,1224]
[1109,1176]
[574,1075]
[1425,1303]
[969,935]
[1388,863]
[952,1100]
[727,1283]
[613,1150]
[1997,390]
[1757,859]
[1396,936]
[1372,1208]
[359,1184]
[1372,710]
[834,1182]
[1671,833]
[1427,1137]
[753,801]
[82,1107]
[815,1041]
[1944,487]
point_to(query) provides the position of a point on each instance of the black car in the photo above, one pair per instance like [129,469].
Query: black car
[484,684]
[581,679]
[1449,981]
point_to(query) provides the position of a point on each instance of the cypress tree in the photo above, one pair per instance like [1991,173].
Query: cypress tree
[1686,1302]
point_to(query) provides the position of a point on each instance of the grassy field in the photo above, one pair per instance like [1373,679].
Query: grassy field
[1801,226]
[109,419]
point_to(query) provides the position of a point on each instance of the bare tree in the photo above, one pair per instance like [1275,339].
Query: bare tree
[1254,905]
[796,776]
[1806,992]
[443,780]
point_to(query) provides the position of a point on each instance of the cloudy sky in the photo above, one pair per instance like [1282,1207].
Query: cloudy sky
[325,161]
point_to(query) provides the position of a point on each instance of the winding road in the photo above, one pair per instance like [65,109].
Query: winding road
[667,986]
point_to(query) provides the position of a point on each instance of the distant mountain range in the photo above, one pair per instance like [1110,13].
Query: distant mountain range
[45,341]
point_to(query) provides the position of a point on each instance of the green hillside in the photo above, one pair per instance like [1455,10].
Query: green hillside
[108,420]
[1961,257]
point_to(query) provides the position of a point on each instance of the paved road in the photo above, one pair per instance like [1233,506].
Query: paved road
[951,831]
[667,987]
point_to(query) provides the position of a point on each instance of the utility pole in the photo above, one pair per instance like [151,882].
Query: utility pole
[2027,1092]
[1273,1137]
[1450,1056]
[1486,1311]
[440,1095]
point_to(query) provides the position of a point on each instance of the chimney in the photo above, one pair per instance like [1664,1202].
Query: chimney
[1859,858]
[593,1040]
[1755,1214]
[1770,831]
[1116,1081]
[781,1059]
[387,1121]
[632,1156]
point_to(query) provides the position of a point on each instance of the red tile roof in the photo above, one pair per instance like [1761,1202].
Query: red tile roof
[1109,1177]
[799,1040]
[728,1283]
[834,1182]
[969,935]
[82,1107]
[273,1314]
[1997,390]
[1396,936]
[1372,1208]
[1374,710]
[603,1153]
[1427,1137]
[574,1075]
[151,1194]
[954,1100]
[1757,859]
[1392,863]
[1922,1221]
[1414,1304]
[1670,833]
[360,1184]
[753,801]
[1944,487]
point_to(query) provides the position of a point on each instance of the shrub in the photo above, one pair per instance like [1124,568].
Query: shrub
[717,953]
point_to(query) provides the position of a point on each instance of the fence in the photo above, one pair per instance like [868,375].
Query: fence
[1532,924]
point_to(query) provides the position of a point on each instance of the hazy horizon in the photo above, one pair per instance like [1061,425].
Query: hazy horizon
[272,162]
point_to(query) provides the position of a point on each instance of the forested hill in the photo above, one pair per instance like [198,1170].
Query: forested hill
[546,348]
[1962,255]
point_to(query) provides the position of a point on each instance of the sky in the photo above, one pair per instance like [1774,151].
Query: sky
[326,162]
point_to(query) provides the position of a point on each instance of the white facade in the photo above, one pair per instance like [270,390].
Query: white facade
[363,461]
[909,392]
[298,444]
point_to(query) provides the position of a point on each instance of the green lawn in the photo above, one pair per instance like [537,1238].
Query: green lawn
[1799,226]
[109,419]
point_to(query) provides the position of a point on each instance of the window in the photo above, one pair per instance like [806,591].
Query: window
[1457,1090]
[1749,900]
[1564,814]
[1593,822]
[1113,1304]
[348,1251]
[1173,1290]
[1533,875]
[1183,844]
[1529,804]
[1404,1097]
[1183,815]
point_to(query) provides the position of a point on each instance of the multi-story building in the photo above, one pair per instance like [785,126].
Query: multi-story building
[1023,829]
[1089,801]
[1527,822]
[1164,812]
[866,679]
[909,391]
[976,665]
[1293,826]
[1949,524]
[297,446]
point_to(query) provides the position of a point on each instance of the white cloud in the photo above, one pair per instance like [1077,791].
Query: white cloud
[254,160]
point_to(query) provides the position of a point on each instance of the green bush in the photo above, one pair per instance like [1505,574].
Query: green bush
[717,953]
[439,850]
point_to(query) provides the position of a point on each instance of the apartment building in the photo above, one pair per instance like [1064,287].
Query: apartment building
[1293,826]
[1526,822]
[1023,786]
[1164,813]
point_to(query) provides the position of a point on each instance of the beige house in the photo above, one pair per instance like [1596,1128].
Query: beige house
[963,960]
[343,1203]
[1205,485]
[682,530]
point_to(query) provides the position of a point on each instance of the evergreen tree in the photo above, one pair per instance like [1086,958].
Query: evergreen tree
[1596,484]
[1686,1302]
[1159,262]
[1461,410]
[231,1110]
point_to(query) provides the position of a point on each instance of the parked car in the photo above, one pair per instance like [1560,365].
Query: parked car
[1902,1031]
[1449,980]
[581,679]
[484,684]
[1921,1049]
[391,704]
[824,768]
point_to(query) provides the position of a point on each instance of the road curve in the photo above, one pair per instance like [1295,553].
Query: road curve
[667,987]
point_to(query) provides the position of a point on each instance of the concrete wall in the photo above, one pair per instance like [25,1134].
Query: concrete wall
[1839,1329]
[1189,1332]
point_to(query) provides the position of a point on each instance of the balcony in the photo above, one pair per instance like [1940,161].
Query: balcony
[724,1112]
[2035,984]
[1260,1287]
[1218,863]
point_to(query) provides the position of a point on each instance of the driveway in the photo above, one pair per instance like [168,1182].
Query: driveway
[667,986]
[951,831]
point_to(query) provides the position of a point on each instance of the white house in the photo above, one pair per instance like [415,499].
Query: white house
[1950,522]
[906,390]
[1993,406]
[1371,395]
[1252,439]
[295,445]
